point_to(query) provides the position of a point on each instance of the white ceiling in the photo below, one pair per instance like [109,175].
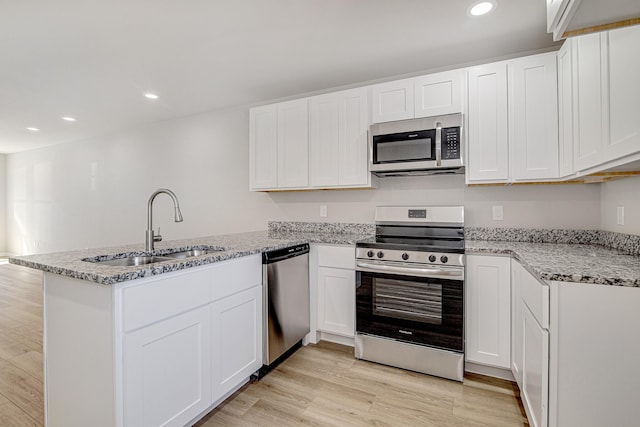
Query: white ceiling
[94,59]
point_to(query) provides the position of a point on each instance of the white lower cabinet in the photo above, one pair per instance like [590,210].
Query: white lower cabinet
[154,351]
[237,334]
[535,369]
[336,301]
[487,310]
[333,293]
[167,371]
[516,321]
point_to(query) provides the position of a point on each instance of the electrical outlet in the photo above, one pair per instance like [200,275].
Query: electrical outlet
[620,215]
[323,211]
[498,213]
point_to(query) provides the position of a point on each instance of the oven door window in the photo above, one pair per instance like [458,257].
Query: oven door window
[404,147]
[401,299]
[418,310]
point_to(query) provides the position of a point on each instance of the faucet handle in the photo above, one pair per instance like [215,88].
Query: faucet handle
[157,237]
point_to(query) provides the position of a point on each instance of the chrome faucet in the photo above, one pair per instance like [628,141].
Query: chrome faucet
[150,236]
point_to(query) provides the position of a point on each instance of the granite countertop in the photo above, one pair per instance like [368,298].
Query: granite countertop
[567,262]
[237,245]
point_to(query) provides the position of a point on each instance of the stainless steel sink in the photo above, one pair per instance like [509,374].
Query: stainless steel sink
[134,261]
[193,252]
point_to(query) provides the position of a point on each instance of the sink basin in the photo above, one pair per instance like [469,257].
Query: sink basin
[193,252]
[134,260]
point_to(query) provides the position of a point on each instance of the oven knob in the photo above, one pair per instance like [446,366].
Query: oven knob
[432,258]
[444,259]
[370,254]
[380,254]
[405,256]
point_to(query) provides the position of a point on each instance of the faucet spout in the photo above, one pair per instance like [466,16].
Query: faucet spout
[150,236]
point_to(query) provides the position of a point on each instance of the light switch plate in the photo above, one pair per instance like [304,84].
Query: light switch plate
[323,211]
[620,215]
[498,213]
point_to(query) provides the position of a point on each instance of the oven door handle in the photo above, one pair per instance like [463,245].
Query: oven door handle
[452,274]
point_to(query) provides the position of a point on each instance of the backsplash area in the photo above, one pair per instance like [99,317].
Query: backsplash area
[627,243]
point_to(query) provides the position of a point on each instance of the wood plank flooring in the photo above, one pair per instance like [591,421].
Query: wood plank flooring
[21,394]
[321,385]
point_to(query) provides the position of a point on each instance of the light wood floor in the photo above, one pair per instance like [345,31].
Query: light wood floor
[318,385]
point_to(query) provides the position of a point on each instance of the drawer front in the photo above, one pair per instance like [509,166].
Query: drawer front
[535,295]
[236,275]
[337,256]
[162,298]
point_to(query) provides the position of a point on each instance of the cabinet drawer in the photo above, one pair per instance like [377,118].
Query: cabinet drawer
[337,256]
[535,294]
[163,298]
[233,276]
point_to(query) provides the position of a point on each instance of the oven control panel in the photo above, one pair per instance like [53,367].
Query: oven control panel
[414,257]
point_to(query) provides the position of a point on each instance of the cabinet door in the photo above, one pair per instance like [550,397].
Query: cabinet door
[392,101]
[439,93]
[488,311]
[167,370]
[263,148]
[623,57]
[488,144]
[534,117]
[565,109]
[588,99]
[338,139]
[336,301]
[535,370]
[237,339]
[354,125]
[293,144]
[516,321]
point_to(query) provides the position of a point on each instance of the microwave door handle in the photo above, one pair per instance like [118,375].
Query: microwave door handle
[438,144]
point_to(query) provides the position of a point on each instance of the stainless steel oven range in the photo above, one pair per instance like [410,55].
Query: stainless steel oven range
[410,288]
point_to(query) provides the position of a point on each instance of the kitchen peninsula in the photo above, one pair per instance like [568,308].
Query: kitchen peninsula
[168,341]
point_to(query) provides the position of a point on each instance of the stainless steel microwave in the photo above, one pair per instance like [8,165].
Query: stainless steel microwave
[423,146]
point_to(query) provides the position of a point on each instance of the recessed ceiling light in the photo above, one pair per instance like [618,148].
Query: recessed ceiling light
[69,119]
[481,8]
[33,129]
[151,95]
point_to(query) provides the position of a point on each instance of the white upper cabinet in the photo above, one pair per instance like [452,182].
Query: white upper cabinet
[487,141]
[606,99]
[279,146]
[338,139]
[438,94]
[293,144]
[588,100]
[565,110]
[431,95]
[534,117]
[392,101]
[263,147]
[623,57]
[513,120]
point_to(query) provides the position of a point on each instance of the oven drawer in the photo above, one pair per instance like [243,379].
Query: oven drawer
[535,294]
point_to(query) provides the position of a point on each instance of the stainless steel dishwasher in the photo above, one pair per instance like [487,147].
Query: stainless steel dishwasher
[285,275]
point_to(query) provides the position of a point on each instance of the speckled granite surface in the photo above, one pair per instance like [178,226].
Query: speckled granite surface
[321,227]
[567,262]
[71,263]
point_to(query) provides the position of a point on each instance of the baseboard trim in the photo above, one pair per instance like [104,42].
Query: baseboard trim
[490,371]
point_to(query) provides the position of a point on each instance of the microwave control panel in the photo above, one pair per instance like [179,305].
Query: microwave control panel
[450,143]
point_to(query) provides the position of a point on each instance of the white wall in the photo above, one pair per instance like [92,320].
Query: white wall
[624,192]
[94,193]
[3,207]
